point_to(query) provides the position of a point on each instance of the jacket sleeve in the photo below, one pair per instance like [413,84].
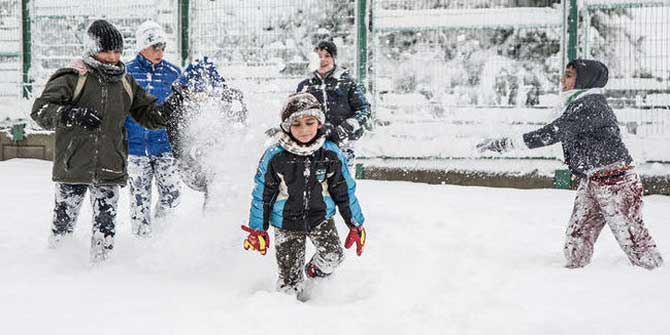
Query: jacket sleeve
[567,125]
[265,192]
[342,189]
[361,108]
[46,110]
[145,110]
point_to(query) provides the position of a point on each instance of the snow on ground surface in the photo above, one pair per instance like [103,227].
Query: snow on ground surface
[440,259]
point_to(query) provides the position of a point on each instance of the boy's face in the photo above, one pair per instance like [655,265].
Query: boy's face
[326,61]
[108,57]
[154,53]
[305,128]
[569,78]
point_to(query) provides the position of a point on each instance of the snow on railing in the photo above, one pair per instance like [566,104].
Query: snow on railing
[467,18]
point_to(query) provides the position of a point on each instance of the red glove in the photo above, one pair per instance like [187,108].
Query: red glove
[356,234]
[257,240]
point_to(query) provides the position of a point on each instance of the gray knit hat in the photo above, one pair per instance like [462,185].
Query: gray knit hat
[299,105]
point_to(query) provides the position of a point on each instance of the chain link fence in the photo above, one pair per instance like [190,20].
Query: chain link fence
[442,73]
[633,37]
[447,73]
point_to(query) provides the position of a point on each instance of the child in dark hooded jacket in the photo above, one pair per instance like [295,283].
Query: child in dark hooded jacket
[299,182]
[610,191]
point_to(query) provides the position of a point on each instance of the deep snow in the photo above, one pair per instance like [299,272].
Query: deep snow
[440,259]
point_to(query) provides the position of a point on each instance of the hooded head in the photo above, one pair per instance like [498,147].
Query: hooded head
[149,33]
[300,105]
[103,36]
[590,73]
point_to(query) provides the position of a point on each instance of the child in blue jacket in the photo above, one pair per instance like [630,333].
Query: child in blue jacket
[299,182]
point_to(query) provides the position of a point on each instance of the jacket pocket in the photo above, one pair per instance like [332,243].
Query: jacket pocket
[72,148]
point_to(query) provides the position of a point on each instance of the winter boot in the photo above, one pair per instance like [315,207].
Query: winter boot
[312,271]
[101,246]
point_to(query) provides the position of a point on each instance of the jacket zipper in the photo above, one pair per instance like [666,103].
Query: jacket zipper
[99,131]
[306,194]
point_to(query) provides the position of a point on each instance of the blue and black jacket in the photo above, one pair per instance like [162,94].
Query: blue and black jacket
[157,80]
[340,96]
[297,193]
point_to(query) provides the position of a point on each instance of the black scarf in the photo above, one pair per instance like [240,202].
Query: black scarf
[105,72]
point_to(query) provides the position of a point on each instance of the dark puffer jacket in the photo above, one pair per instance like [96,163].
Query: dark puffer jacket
[588,128]
[97,156]
[341,98]
[298,193]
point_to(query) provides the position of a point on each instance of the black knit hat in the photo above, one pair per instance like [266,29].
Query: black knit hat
[104,37]
[328,46]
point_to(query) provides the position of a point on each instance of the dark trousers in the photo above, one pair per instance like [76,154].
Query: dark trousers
[290,246]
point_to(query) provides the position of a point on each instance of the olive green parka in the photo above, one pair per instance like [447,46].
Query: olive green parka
[96,156]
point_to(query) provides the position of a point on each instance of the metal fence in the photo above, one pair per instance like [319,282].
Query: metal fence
[634,38]
[10,47]
[441,73]
[58,30]
[447,73]
[264,44]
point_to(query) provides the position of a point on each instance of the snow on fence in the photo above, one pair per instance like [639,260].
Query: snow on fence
[443,74]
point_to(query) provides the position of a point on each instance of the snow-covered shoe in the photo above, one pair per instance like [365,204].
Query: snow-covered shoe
[100,247]
[650,260]
[312,271]
[305,292]
[142,230]
[57,240]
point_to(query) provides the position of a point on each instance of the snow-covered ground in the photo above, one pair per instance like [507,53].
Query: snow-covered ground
[440,260]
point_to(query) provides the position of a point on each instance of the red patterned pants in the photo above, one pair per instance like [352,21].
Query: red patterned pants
[616,202]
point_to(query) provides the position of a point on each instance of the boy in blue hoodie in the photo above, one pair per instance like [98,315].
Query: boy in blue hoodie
[299,182]
[610,191]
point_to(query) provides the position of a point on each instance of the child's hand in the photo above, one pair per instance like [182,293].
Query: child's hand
[257,240]
[356,234]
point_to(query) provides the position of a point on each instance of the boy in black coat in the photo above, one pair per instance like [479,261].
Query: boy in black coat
[610,191]
[299,182]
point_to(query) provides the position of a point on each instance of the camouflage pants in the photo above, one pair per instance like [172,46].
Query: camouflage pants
[142,170]
[616,202]
[69,198]
[290,246]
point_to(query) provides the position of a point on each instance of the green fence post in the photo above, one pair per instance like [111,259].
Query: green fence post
[26,54]
[362,43]
[184,28]
[562,179]
[18,132]
[573,25]
[360,171]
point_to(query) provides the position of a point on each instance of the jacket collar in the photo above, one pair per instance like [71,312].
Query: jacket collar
[144,63]
[336,73]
